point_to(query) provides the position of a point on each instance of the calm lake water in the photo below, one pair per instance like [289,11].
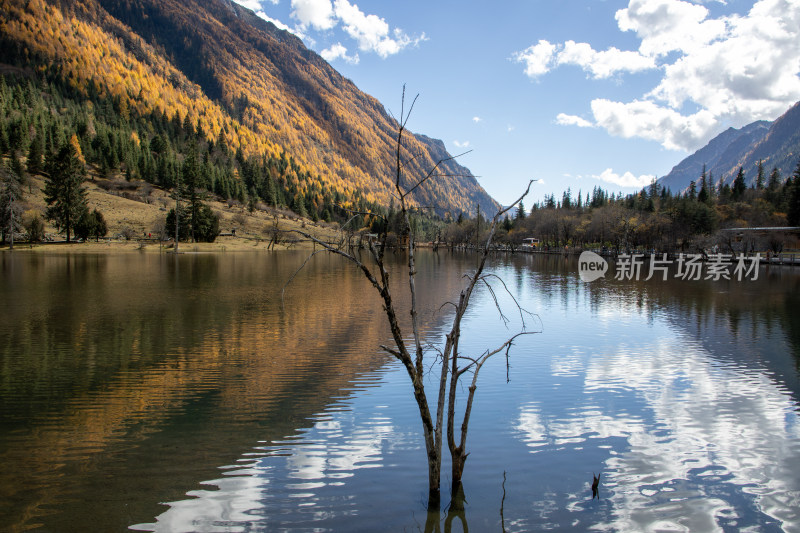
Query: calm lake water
[153,393]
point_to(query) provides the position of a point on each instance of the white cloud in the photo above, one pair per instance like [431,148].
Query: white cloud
[648,120]
[280,25]
[538,58]
[372,33]
[733,69]
[459,144]
[665,26]
[253,5]
[603,64]
[338,51]
[572,120]
[542,57]
[256,7]
[750,74]
[476,119]
[625,180]
[317,14]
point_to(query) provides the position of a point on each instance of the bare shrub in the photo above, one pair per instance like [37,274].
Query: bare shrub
[240,219]
[160,228]
[127,233]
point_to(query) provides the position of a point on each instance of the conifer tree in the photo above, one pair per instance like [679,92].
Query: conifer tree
[520,212]
[773,187]
[190,177]
[10,196]
[35,154]
[703,196]
[761,176]
[64,193]
[793,212]
[739,186]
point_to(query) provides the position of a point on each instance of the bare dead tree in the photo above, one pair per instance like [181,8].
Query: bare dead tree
[412,354]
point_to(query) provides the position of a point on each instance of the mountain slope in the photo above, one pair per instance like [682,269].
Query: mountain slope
[718,155]
[780,148]
[214,63]
[776,143]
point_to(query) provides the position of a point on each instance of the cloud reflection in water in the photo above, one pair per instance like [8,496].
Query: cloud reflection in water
[699,435]
[320,457]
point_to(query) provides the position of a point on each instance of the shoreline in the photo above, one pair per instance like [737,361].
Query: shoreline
[221,245]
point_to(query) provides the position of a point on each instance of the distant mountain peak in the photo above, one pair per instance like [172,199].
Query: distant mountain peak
[776,144]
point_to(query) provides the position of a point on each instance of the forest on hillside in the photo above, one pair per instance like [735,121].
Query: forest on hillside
[39,116]
[239,83]
[654,218]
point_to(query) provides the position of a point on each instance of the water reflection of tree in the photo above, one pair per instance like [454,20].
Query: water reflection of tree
[142,359]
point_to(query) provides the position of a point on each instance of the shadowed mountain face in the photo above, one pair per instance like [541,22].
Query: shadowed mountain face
[776,144]
[238,77]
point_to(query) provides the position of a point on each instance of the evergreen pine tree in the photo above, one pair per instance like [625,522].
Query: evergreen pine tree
[520,212]
[64,193]
[772,194]
[190,177]
[703,196]
[10,200]
[761,176]
[35,154]
[793,212]
[739,186]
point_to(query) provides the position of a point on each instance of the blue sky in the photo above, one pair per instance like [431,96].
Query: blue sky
[573,93]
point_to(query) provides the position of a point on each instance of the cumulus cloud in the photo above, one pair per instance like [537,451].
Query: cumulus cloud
[253,5]
[338,51]
[256,7]
[751,73]
[625,180]
[371,32]
[665,26]
[603,64]
[280,25]
[459,144]
[542,57]
[733,69]
[538,58]
[572,120]
[317,14]
[648,120]
[476,119]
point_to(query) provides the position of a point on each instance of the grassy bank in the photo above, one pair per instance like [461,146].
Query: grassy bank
[135,212]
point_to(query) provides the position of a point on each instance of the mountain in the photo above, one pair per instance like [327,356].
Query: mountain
[242,81]
[776,143]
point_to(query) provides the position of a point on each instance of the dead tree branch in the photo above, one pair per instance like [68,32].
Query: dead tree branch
[412,353]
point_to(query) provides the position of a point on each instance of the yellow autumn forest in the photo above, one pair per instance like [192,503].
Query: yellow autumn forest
[256,86]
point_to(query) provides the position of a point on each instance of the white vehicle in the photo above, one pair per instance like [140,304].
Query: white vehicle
[530,243]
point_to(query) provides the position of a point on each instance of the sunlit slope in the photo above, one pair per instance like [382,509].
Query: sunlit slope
[240,80]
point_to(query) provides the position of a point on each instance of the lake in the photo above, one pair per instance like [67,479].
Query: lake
[148,392]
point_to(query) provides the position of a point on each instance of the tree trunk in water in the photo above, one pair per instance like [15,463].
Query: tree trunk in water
[434,476]
[459,458]
[456,510]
